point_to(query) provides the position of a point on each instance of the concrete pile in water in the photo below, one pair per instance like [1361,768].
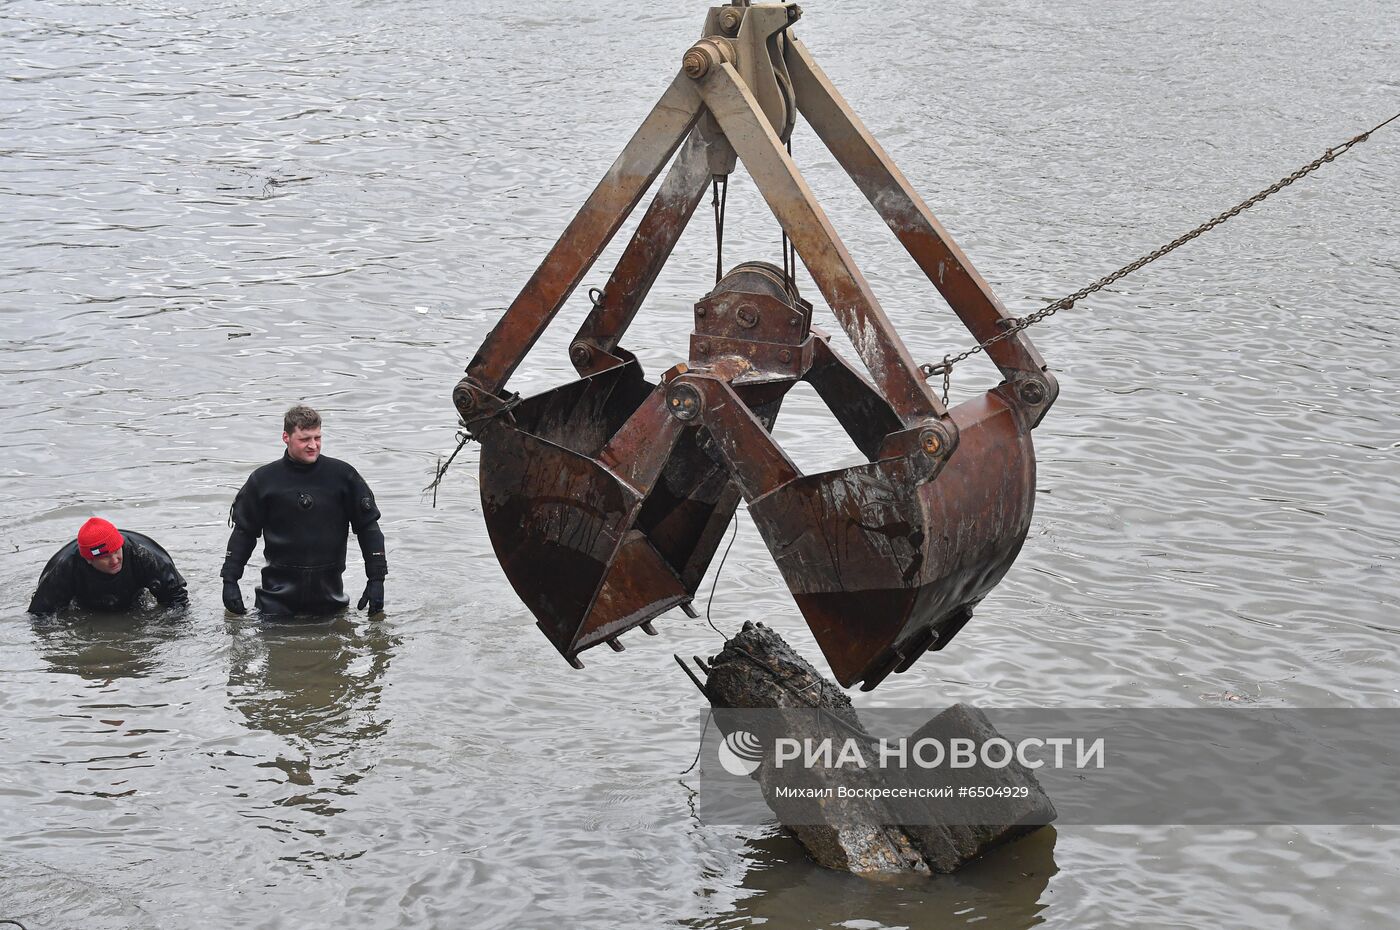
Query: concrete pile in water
[863,834]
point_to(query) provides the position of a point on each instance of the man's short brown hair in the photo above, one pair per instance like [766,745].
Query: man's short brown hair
[300,417]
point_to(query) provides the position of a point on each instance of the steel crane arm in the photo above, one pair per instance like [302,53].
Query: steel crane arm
[606,209]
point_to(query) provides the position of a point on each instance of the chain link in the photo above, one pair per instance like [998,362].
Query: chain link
[1014,325]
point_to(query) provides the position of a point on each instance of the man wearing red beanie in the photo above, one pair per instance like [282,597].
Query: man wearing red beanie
[107,569]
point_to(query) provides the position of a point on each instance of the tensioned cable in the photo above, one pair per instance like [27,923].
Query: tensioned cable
[1014,325]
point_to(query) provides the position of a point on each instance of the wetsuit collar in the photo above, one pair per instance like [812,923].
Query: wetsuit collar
[294,465]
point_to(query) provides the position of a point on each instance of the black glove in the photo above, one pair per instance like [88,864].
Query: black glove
[373,596]
[233,598]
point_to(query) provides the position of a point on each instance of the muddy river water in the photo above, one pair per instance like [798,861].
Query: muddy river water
[209,211]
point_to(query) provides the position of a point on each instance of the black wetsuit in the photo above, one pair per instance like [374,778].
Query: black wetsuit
[146,566]
[304,514]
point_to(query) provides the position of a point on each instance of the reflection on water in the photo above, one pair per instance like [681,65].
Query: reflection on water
[317,685]
[101,647]
[1004,888]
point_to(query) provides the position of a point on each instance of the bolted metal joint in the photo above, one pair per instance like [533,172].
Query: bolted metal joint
[683,402]
[475,404]
[933,440]
[1031,391]
[580,353]
[729,20]
[708,53]
[464,397]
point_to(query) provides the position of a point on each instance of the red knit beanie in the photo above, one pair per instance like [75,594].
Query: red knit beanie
[98,537]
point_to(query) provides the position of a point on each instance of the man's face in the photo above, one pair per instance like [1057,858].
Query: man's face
[304,445]
[108,564]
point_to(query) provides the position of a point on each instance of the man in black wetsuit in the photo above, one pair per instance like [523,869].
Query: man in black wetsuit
[304,505]
[107,569]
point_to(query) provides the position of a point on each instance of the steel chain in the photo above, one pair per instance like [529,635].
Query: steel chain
[1014,325]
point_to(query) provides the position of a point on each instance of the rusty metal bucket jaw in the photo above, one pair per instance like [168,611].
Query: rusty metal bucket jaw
[604,506]
[885,560]
[563,480]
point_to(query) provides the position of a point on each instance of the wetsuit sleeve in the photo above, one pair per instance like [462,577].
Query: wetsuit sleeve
[163,579]
[364,520]
[246,520]
[56,587]
[372,548]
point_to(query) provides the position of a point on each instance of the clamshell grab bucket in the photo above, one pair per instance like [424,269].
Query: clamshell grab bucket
[607,498]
